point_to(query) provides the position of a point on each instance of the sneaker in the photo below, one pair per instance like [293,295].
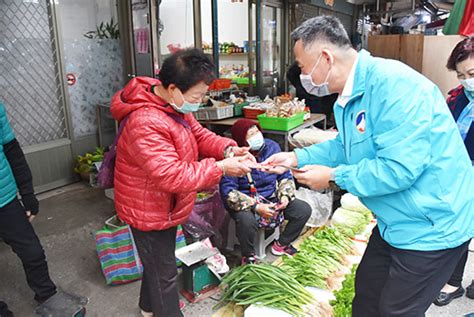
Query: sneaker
[278,249]
[249,260]
[145,313]
[446,298]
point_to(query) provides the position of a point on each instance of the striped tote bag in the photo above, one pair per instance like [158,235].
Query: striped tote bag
[118,255]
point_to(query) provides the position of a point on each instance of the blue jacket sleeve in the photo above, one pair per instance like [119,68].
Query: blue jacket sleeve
[329,153]
[7,134]
[403,148]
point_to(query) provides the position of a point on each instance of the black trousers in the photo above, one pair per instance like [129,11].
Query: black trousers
[18,233]
[159,290]
[395,282]
[297,213]
[456,278]
[3,309]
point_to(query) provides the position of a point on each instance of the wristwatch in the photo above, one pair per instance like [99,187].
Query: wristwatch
[228,152]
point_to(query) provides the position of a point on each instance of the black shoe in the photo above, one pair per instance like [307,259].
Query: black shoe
[470,290]
[8,313]
[446,298]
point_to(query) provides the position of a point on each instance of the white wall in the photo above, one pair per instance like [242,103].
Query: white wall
[232,20]
[178,23]
[79,17]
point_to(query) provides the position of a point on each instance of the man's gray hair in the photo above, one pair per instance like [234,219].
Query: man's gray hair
[324,28]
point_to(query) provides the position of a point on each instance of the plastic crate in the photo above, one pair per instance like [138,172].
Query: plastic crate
[281,124]
[239,109]
[250,113]
[221,83]
[214,113]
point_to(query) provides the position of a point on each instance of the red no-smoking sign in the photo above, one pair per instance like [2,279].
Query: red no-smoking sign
[71,79]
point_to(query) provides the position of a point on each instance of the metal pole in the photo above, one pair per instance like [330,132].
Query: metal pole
[251,56]
[259,71]
[197,24]
[215,36]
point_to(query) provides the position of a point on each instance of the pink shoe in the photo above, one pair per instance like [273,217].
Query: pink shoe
[278,249]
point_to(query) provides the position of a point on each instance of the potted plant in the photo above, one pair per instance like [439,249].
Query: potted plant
[86,164]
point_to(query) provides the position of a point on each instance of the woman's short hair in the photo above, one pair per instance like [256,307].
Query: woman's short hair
[186,69]
[462,51]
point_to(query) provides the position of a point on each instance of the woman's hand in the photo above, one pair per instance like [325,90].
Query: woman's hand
[237,166]
[265,210]
[279,163]
[240,151]
[284,201]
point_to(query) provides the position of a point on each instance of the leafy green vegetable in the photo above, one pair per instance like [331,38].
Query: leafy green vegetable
[265,285]
[342,306]
[350,222]
[318,258]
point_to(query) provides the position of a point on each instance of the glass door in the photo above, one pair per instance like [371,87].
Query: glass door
[270,50]
[176,24]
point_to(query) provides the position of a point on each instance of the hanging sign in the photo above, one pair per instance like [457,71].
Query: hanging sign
[71,79]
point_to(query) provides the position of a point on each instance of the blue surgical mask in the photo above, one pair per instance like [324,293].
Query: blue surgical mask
[256,142]
[468,84]
[320,90]
[187,107]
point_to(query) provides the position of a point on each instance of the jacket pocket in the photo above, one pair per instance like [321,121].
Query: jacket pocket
[361,147]
[417,209]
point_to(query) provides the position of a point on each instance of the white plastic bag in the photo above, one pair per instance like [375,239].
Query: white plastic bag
[321,205]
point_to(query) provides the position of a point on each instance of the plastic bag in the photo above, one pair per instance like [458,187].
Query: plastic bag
[321,205]
[207,218]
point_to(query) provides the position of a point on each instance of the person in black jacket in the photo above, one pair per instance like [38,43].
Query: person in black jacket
[16,215]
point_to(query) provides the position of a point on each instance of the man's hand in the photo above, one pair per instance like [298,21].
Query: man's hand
[278,163]
[30,216]
[316,176]
[265,210]
[31,205]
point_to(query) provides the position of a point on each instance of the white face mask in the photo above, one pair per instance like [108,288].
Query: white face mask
[256,142]
[468,84]
[320,90]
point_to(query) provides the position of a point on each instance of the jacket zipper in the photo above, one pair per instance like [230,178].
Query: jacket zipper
[344,132]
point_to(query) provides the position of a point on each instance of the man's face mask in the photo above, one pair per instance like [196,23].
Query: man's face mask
[320,90]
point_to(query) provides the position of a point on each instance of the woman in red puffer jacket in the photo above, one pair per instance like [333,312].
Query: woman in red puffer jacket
[158,171]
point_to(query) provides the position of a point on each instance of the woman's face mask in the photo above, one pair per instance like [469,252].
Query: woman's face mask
[320,90]
[468,84]
[256,141]
[186,107]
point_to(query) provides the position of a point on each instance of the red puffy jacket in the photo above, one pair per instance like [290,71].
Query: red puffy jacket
[157,172]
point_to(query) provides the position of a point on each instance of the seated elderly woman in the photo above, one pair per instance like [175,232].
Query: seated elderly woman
[262,200]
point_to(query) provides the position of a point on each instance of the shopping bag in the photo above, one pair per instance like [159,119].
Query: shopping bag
[105,176]
[118,255]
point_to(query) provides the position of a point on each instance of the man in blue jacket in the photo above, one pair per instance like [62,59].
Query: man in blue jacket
[400,152]
[15,215]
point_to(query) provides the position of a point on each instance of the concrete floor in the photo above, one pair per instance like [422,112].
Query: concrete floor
[66,225]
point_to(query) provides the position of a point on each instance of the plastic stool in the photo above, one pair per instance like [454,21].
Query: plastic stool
[262,242]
